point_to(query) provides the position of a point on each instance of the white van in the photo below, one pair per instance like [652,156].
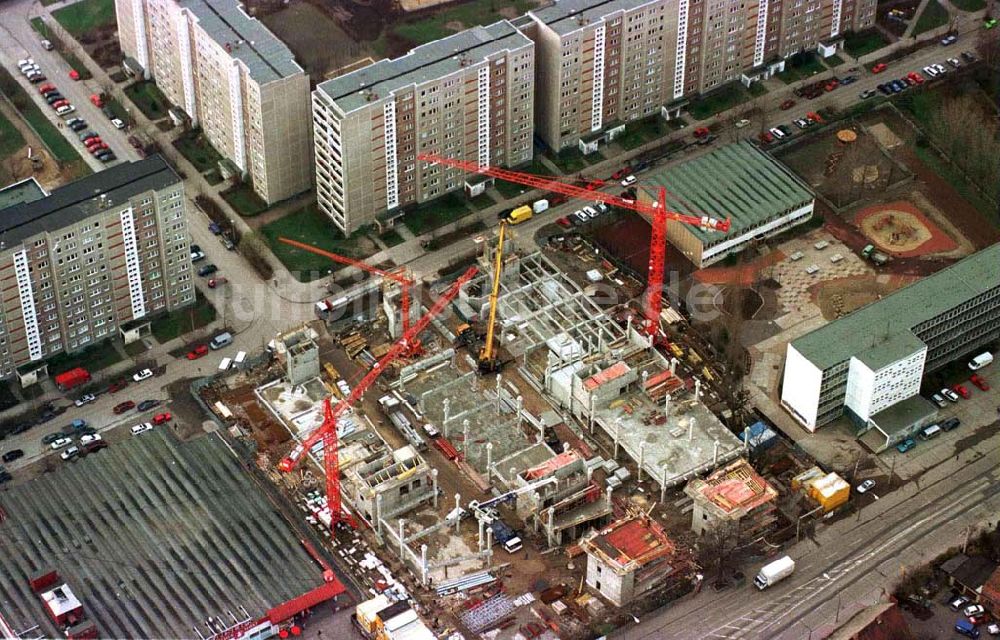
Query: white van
[221,340]
[225,364]
[981,360]
[932,431]
[240,357]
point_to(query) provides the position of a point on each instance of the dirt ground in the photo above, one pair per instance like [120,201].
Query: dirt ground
[17,166]
[836,298]
[102,46]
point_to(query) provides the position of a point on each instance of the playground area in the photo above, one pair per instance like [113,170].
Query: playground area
[901,229]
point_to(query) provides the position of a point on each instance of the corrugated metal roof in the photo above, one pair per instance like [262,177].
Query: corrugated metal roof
[566,16]
[738,181]
[423,64]
[266,57]
[881,332]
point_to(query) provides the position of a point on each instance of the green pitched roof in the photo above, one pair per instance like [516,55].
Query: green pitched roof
[882,332]
[737,181]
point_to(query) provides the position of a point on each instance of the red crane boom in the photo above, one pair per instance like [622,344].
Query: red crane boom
[404,282]
[656,211]
[327,431]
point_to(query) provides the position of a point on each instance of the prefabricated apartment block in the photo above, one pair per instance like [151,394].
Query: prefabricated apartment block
[467,96]
[89,258]
[234,79]
[876,357]
[739,182]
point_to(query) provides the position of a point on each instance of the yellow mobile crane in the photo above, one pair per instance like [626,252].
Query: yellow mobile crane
[488,360]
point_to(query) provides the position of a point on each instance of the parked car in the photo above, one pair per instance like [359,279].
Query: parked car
[85,399]
[87,135]
[962,390]
[931,71]
[950,423]
[628,181]
[144,374]
[60,442]
[951,395]
[196,253]
[207,270]
[118,123]
[955,63]
[198,352]
[866,486]
[146,405]
[53,97]
[906,445]
[848,80]
[78,125]
[980,382]
[61,103]
[802,123]
[767,137]
[969,57]
[621,173]
[777,133]
[52,437]
[214,227]
[958,602]
[12,455]
[141,428]
[162,418]
[47,45]
[70,453]
[218,282]
[880,67]
[884,89]
[87,439]
[742,122]
[122,407]
[45,88]
[949,40]
[74,74]
[96,100]
[867,93]
[787,104]
[915,77]
[107,156]
[973,610]
[938,400]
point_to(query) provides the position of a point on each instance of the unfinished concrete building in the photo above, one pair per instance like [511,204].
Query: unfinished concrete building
[298,351]
[388,483]
[566,500]
[631,557]
[735,493]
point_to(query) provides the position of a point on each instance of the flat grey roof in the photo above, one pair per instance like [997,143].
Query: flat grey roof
[423,64]
[738,181]
[79,200]
[899,419]
[153,536]
[266,57]
[566,16]
[27,190]
[872,333]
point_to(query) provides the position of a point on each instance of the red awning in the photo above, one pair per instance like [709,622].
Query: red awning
[319,595]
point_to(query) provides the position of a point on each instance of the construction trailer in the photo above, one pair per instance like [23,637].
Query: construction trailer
[734,493]
[630,557]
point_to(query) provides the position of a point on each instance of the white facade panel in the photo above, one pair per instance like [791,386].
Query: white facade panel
[761,36]
[680,50]
[597,95]
[27,297]
[132,264]
[391,168]
[483,96]
[838,6]
[187,70]
[236,102]
[860,384]
[141,46]
[796,216]
[800,388]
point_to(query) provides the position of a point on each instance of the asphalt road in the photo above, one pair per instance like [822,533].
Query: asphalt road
[18,41]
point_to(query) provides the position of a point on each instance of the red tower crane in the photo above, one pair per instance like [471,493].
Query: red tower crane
[657,212]
[327,431]
[396,276]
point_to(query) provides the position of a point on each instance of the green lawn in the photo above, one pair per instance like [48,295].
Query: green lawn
[969,5]
[482,201]
[643,131]
[194,146]
[86,15]
[61,149]
[436,213]
[720,100]
[10,138]
[476,12]
[75,63]
[94,358]
[933,16]
[863,42]
[391,238]
[511,190]
[833,61]
[148,98]
[213,177]
[801,66]
[244,200]
[310,225]
[179,322]
[568,160]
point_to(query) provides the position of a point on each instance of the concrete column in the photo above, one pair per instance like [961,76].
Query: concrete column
[458,505]
[566,447]
[423,564]
[746,440]
[489,547]
[691,428]
[465,437]
[378,513]
[666,405]
[618,429]
[645,378]
[482,533]
[607,493]
[402,545]
[642,458]
[697,388]
[590,420]
[447,406]
[628,326]
[673,365]
[590,473]
[520,411]
[549,527]
[715,454]
[499,377]
[434,486]
[663,485]
[489,461]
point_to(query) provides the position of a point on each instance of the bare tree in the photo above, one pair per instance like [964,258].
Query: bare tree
[716,549]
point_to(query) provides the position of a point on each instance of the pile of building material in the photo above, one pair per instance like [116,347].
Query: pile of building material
[490,613]
[353,343]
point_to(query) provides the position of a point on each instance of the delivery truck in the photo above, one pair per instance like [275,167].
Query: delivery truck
[774,572]
[505,536]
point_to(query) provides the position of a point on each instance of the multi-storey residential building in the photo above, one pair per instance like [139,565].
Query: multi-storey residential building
[468,96]
[89,258]
[604,63]
[876,357]
[234,79]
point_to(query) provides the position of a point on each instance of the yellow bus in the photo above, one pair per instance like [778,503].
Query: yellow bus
[519,215]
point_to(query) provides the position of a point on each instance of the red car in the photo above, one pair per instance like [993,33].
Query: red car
[831,85]
[92,142]
[96,100]
[60,103]
[117,385]
[766,137]
[197,352]
[979,382]
[564,222]
[701,132]
[916,77]
[122,407]
[45,88]
[621,173]
[162,418]
[880,67]
[815,117]
[74,74]
[787,104]
[961,390]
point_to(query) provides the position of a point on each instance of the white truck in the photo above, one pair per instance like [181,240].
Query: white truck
[980,361]
[774,572]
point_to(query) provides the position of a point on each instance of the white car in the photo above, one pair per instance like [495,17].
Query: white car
[866,486]
[25,62]
[145,374]
[742,123]
[993,629]
[974,610]
[777,133]
[118,123]
[931,71]
[47,45]
[940,69]
[601,207]
[629,181]
[951,395]
[91,437]
[590,211]
[65,109]
[954,62]
[60,443]
[141,428]
[85,399]
[70,453]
